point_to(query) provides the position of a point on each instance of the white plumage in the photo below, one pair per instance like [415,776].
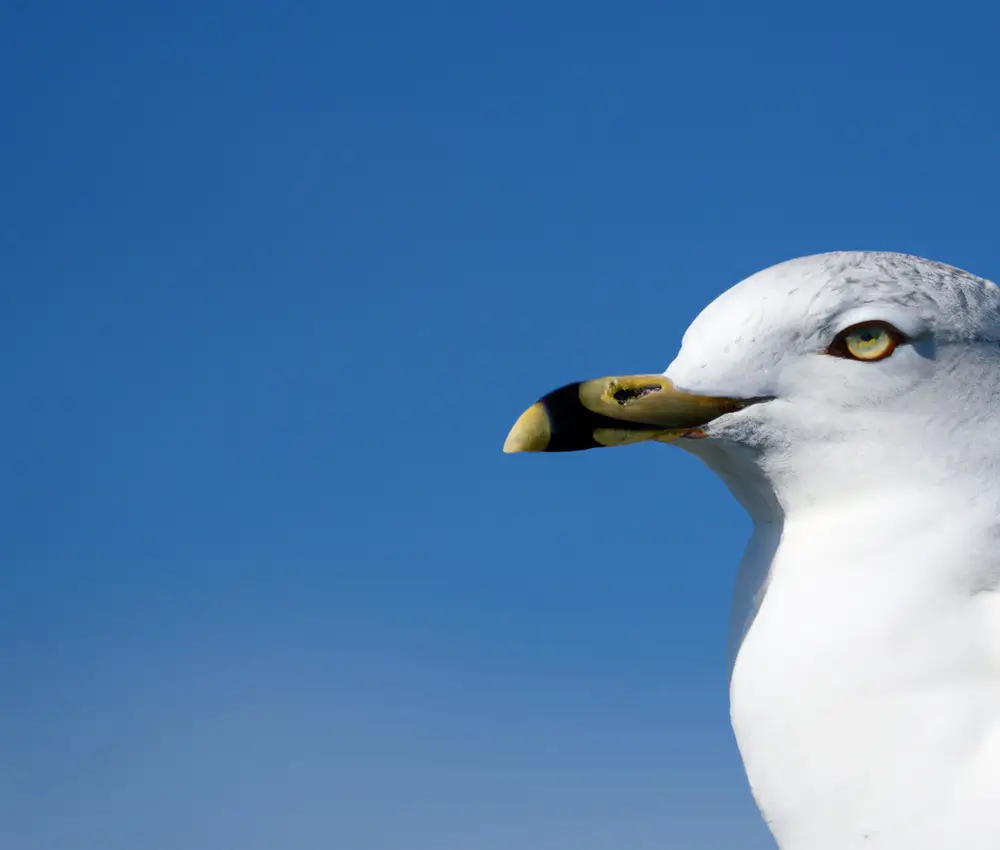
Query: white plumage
[865,643]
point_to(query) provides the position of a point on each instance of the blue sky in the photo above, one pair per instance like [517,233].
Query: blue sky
[277,278]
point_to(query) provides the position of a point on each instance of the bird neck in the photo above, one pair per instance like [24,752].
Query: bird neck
[866,682]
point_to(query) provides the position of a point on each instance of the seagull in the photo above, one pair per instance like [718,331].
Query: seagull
[850,402]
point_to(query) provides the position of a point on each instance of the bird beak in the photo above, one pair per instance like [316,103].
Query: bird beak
[615,412]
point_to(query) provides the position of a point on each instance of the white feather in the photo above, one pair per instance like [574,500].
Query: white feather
[865,679]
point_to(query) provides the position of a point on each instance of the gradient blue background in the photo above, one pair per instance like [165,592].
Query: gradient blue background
[276,280]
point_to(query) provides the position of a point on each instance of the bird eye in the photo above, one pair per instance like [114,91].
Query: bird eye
[868,341]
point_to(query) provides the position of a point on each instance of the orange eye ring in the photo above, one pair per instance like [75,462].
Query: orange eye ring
[866,342]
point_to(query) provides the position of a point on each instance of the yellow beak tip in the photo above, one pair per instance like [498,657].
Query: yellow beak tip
[531,432]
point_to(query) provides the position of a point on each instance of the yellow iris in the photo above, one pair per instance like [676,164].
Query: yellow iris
[869,342]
